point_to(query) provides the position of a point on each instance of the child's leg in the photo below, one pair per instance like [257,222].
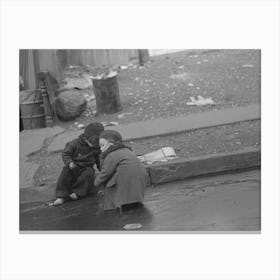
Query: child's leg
[64,183]
[84,183]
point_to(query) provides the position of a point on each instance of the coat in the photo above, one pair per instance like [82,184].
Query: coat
[79,152]
[124,176]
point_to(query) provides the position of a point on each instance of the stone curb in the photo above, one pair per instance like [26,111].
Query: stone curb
[181,169]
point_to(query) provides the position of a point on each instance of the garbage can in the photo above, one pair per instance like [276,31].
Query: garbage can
[106,91]
[32,109]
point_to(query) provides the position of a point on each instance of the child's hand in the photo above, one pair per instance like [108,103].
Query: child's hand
[72,165]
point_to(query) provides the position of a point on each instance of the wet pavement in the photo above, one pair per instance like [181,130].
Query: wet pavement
[229,202]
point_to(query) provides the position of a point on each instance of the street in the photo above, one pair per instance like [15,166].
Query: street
[228,202]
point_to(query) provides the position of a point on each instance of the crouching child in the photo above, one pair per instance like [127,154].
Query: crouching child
[79,156]
[122,173]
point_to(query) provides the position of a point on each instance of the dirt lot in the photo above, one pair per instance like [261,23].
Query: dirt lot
[163,87]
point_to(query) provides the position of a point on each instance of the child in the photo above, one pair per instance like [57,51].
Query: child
[122,173]
[79,157]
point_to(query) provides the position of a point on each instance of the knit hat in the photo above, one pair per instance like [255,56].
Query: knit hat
[93,129]
[111,136]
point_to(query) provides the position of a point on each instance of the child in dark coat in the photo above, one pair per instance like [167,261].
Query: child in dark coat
[79,157]
[122,173]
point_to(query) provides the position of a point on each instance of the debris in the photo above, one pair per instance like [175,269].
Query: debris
[200,101]
[162,155]
[182,76]
[109,124]
[181,67]
[120,116]
[190,84]
[81,125]
[69,104]
[132,226]
[123,67]
[247,66]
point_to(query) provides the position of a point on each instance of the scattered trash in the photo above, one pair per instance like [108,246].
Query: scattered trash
[104,75]
[123,67]
[109,124]
[190,84]
[247,66]
[50,204]
[112,123]
[181,67]
[81,125]
[197,87]
[182,76]
[161,155]
[132,226]
[120,116]
[76,123]
[89,97]
[200,101]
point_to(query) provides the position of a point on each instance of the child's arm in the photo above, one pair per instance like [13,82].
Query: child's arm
[108,169]
[97,162]
[68,153]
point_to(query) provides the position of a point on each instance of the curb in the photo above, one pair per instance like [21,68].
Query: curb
[181,169]
[178,169]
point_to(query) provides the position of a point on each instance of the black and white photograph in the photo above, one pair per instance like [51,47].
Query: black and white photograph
[140,139]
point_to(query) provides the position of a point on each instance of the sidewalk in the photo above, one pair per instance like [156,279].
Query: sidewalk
[160,127]
[32,141]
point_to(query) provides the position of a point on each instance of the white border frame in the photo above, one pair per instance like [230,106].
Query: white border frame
[153,24]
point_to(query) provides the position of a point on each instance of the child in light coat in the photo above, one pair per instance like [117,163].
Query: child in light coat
[122,173]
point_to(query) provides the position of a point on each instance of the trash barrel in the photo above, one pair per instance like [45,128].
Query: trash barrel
[32,109]
[106,91]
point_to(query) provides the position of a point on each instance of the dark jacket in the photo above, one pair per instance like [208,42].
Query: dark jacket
[79,152]
[124,176]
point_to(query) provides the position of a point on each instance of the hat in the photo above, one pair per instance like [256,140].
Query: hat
[93,129]
[111,136]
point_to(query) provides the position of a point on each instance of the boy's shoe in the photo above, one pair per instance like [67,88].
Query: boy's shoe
[58,202]
[73,196]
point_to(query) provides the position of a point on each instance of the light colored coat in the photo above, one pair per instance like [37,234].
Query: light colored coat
[124,176]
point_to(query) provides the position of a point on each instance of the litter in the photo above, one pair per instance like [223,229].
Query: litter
[247,66]
[162,155]
[200,101]
[182,76]
[81,125]
[132,226]
[109,124]
[123,67]
[181,67]
[190,85]
[120,116]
